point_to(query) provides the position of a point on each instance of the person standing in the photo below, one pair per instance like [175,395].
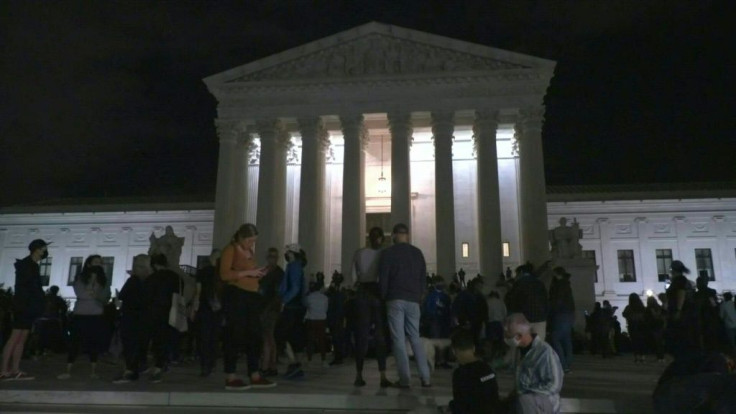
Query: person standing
[206,309]
[496,316]
[562,316]
[290,327]
[89,330]
[437,310]
[636,314]
[316,303]
[269,289]
[132,319]
[656,324]
[336,317]
[158,290]
[727,312]
[28,304]
[402,278]
[242,305]
[529,297]
[369,309]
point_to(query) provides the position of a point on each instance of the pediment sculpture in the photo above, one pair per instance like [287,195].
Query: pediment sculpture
[378,54]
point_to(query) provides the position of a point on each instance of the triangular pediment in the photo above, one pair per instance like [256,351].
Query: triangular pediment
[377,49]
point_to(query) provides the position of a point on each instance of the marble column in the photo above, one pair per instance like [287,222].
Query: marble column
[315,141]
[271,211]
[533,187]
[227,134]
[401,136]
[353,192]
[490,252]
[443,127]
[239,201]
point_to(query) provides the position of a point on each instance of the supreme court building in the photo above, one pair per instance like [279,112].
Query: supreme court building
[384,125]
[379,125]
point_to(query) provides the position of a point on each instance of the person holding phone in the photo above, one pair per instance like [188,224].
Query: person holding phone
[242,305]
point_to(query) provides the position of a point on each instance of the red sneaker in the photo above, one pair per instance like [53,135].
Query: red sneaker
[236,385]
[262,383]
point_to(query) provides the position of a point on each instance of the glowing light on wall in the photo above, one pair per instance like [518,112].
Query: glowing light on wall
[466,250]
[506,249]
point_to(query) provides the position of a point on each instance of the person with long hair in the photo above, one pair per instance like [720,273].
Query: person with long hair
[242,305]
[89,330]
[656,324]
[635,314]
[269,289]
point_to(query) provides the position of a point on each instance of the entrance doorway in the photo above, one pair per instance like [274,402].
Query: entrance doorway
[382,220]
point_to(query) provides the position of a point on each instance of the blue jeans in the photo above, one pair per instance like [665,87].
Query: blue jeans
[403,322]
[562,337]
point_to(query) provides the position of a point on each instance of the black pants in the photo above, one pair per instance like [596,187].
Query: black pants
[208,329]
[89,334]
[133,336]
[242,327]
[290,327]
[158,335]
[370,311]
[337,335]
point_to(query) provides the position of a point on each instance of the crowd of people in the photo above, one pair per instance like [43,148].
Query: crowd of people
[266,312]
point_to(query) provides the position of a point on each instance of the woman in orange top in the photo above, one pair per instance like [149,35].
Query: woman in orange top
[242,306]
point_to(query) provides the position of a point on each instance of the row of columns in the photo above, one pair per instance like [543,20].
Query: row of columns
[232,179]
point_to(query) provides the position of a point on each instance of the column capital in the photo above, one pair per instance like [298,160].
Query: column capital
[443,125]
[530,118]
[228,130]
[353,127]
[400,122]
[485,121]
[314,128]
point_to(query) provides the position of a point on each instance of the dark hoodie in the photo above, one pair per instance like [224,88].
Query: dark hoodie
[29,297]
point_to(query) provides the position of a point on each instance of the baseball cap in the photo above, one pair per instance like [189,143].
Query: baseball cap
[37,244]
[294,247]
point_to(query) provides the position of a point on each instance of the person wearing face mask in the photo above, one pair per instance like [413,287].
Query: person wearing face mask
[539,372]
[28,304]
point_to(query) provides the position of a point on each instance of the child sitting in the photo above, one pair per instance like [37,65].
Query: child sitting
[474,385]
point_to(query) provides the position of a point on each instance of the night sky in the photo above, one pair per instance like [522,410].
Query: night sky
[105,98]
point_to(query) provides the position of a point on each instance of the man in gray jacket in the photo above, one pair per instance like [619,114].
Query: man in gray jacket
[402,279]
[538,373]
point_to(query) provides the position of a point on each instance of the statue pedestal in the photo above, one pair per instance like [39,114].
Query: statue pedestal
[582,281]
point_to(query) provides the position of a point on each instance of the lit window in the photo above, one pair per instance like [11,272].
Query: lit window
[704,263]
[108,263]
[466,250]
[664,262]
[75,267]
[506,249]
[45,270]
[590,254]
[626,269]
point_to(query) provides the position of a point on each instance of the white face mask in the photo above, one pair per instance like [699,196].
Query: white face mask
[512,342]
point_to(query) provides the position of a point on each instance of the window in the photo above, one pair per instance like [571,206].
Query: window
[203,261]
[465,250]
[45,270]
[626,270]
[506,249]
[108,263]
[664,262]
[704,263]
[75,267]
[590,254]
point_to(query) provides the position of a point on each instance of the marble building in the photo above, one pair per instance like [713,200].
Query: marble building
[460,125]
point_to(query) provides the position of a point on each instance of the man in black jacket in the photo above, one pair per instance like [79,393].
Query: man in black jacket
[28,304]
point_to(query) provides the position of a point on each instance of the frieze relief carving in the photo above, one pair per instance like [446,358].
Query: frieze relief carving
[660,228]
[701,227]
[378,55]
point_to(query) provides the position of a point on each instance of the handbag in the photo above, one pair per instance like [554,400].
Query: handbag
[178,311]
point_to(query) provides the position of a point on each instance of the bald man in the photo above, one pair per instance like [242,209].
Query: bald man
[539,372]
